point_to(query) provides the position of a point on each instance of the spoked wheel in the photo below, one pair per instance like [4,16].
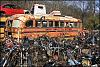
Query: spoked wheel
[7,62]
[14,61]
[29,60]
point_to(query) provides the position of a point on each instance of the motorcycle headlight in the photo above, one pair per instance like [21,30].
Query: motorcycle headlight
[23,49]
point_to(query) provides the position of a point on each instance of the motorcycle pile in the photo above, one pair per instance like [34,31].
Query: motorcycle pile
[44,51]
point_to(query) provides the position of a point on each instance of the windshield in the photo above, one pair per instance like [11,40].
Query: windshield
[16,23]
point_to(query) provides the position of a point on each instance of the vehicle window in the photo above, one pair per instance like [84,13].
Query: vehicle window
[16,23]
[61,24]
[56,23]
[7,6]
[11,6]
[79,25]
[66,24]
[17,7]
[76,25]
[38,23]
[44,23]
[2,24]
[72,25]
[50,23]
[41,7]
[10,23]
[29,23]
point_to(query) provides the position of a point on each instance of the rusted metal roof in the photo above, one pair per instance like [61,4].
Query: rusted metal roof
[24,17]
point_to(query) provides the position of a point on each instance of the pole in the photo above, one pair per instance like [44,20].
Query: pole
[21,58]
[18,35]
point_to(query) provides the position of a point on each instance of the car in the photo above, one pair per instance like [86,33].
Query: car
[10,9]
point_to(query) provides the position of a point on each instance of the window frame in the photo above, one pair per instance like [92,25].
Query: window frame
[63,23]
[52,23]
[78,24]
[56,22]
[46,24]
[38,23]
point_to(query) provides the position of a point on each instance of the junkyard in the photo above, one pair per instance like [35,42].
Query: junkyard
[38,37]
